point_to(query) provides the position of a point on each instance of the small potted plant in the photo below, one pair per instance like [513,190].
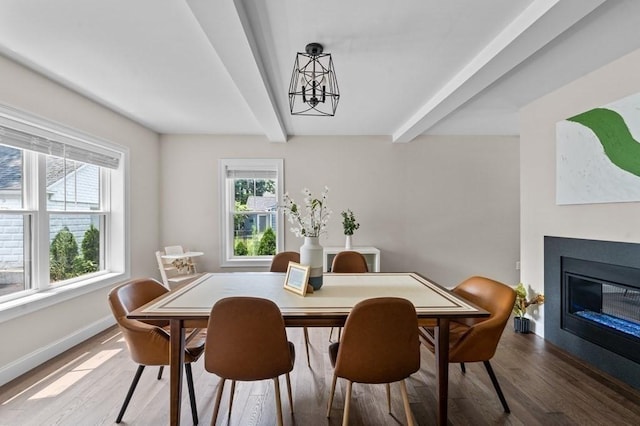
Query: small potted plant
[349,225]
[520,322]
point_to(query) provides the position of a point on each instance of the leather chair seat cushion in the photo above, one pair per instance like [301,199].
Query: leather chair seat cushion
[456,330]
[195,346]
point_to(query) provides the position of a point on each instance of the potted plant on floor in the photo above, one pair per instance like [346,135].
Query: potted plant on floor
[349,225]
[521,324]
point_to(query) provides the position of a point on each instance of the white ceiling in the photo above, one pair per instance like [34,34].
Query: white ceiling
[404,67]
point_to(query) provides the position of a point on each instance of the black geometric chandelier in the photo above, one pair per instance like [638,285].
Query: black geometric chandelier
[314,88]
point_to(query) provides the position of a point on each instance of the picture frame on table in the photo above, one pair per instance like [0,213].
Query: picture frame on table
[297,278]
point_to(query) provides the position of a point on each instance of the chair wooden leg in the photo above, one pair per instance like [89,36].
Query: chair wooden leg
[289,392]
[217,406]
[496,385]
[132,388]
[388,386]
[463,368]
[347,404]
[192,393]
[306,344]
[160,370]
[405,401]
[233,392]
[333,390]
[276,384]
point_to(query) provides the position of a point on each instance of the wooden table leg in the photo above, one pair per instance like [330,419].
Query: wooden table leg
[442,368]
[176,357]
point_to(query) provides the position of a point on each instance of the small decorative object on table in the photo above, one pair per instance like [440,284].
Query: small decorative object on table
[297,278]
[520,323]
[349,225]
[310,224]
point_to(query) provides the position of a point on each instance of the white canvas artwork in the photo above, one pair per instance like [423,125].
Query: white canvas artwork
[598,155]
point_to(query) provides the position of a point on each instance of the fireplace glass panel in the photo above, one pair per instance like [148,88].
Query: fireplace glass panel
[610,305]
[602,305]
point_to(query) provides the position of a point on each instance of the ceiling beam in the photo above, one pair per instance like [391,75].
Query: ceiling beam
[535,27]
[226,26]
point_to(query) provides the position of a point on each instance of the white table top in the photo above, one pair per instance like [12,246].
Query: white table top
[182,255]
[338,295]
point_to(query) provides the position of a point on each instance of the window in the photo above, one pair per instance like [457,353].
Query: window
[73,194]
[14,224]
[250,192]
[56,223]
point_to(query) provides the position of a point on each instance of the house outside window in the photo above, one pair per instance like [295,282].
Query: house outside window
[250,191]
[55,197]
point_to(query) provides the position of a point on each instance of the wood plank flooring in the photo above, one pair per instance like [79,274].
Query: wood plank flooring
[542,384]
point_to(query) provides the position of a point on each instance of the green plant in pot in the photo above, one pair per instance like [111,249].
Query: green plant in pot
[520,322]
[349,225]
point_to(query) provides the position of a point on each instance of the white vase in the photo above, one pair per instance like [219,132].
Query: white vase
[347,243]
[311,255]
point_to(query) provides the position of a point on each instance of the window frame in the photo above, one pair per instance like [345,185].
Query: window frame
[227,203]
[114,198]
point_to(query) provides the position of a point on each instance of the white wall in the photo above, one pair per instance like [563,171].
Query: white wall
[446,207]
[540,215]
[41,334]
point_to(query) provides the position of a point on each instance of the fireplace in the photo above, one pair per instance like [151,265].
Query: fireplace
[592,303]
[601,303]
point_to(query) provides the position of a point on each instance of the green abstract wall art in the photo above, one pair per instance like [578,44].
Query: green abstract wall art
[598,154]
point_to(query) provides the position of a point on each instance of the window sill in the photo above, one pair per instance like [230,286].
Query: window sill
[43,299]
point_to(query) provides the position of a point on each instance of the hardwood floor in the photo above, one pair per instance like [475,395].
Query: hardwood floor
[543,386]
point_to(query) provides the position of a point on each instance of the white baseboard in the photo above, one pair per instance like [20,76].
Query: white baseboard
[32,360]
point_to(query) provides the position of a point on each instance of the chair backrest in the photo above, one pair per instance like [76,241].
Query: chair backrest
[281,260]
[148,343]
[380,342]
[246,340]
[480,341]
[349,262]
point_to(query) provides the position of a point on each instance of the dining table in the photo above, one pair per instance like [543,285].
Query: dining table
[190,306]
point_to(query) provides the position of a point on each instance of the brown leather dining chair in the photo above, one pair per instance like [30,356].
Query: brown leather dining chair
[380,344]
[280,263]
[349,262]
[148,341]
[476,339]
[247,341]
[281,260]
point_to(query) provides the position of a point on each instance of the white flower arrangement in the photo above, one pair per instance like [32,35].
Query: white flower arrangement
[313,220]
